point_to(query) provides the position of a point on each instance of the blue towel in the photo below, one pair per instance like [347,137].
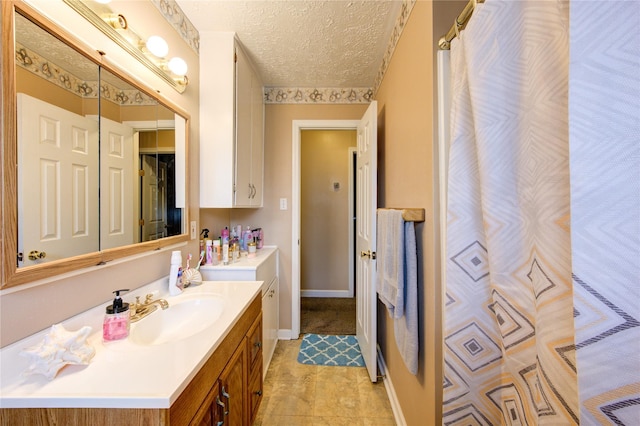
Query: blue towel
[406,327]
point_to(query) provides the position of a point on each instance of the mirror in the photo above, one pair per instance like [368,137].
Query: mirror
[99,160]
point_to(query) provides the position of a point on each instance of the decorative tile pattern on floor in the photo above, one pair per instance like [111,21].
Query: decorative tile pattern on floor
[322,349]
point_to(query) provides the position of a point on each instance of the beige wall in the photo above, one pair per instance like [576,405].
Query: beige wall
[408,177]
[29,308]
[324,211]
[277,184]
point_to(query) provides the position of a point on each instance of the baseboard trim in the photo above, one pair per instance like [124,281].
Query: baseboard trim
[391,393]
[286,334]
[324,293]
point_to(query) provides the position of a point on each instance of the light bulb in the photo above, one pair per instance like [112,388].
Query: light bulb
[157,46]
[103,1]
[178,66]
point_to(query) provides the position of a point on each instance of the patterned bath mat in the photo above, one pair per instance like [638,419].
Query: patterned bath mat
[322,349]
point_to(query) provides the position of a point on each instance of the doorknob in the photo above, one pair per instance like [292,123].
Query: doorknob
[370,254]
[35,255]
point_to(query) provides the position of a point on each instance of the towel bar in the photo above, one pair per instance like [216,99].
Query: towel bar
[410,215]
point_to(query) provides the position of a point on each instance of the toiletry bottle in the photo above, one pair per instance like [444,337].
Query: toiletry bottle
[225,250]
[175,273]
[116,320]
[225,233]
[217,252]
[204,234]
[209,255]
[246,239]
[260,241]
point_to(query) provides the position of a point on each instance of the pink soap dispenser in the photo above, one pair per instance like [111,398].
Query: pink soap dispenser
[116,320]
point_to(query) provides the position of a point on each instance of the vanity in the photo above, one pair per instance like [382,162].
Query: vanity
[200,375]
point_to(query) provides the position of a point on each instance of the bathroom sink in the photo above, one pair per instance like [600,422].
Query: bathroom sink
[183,318]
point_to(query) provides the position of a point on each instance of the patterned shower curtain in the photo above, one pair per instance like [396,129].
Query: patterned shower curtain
[509,340]
[543,235]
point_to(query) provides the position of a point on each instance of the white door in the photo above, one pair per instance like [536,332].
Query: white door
[58,174]
[153,195]
[366,204]
[117,181]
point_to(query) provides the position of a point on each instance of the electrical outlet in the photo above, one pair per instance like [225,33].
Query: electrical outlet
[283,203]
[194,230]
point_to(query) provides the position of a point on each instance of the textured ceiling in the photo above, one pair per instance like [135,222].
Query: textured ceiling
[305,43]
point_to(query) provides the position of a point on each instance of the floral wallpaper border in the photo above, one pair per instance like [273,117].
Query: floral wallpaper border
[179,21]
[401,22]
[58,76]
[356,95]
[317,95]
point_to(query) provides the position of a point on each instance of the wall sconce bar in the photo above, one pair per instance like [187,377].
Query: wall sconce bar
[179,83]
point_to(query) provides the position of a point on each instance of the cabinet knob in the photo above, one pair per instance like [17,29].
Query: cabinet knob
[258,392]
[257,344]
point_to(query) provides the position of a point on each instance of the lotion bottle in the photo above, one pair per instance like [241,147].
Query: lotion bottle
[175,273]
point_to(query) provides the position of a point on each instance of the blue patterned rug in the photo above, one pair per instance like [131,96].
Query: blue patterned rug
[322,349]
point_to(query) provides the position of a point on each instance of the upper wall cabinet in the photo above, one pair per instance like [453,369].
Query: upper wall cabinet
[231,125]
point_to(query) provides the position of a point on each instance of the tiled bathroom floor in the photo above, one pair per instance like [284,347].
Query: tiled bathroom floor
[298,394]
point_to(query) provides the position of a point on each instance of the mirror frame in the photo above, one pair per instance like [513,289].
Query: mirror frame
[12,275]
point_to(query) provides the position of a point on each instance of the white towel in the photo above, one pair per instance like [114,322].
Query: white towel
[390,260]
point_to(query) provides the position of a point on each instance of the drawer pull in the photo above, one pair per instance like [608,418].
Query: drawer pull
[258,344]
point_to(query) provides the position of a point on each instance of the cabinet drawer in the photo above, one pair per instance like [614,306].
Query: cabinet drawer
[255,390]
[255,343]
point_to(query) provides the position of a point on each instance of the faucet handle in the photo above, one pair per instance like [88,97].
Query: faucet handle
[148,298]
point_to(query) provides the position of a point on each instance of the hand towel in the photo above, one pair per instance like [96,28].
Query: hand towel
[390,260]
[406,327]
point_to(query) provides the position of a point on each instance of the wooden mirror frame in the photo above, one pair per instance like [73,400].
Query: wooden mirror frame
[11,275]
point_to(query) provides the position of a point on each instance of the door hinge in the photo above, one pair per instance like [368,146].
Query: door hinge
[235,57]
[20,257]
[141,222]
[140,173]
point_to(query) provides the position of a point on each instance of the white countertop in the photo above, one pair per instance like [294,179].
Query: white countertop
[245,263]
[123,374]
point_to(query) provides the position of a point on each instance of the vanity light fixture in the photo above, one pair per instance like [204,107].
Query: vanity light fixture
[150,53]
[157,46]
[177,66]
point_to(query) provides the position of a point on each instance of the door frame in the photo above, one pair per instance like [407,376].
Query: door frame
[297,127]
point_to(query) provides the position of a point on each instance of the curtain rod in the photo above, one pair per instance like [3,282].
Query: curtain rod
[445,41]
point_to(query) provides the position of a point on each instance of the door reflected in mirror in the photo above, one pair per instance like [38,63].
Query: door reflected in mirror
[99,163]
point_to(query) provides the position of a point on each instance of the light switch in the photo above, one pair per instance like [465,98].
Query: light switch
[283,203]
[194,232]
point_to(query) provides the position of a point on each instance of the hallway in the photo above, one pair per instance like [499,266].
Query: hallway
[298,394]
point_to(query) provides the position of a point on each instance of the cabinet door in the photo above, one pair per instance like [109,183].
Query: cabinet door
[232,388]
[269,323]
[257,140]
[242,183]
[211,411]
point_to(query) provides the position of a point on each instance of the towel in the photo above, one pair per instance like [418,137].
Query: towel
[397,281]
[406,327]
[390,260]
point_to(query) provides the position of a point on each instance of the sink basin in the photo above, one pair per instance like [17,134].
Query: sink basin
[182,319]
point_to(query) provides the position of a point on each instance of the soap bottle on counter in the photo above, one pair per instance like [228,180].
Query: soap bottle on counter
[116,320]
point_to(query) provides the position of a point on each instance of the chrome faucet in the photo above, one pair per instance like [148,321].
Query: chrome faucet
[141,310]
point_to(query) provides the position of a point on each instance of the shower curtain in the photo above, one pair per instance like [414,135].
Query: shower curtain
[523,330]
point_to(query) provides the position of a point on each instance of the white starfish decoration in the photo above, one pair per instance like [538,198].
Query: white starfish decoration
[58,349]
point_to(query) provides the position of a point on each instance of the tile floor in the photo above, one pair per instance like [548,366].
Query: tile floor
[298,394]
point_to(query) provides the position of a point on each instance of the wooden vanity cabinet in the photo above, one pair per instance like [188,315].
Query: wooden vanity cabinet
[198,404]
